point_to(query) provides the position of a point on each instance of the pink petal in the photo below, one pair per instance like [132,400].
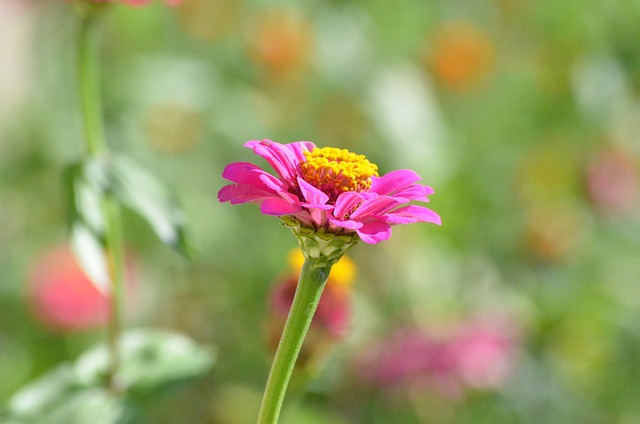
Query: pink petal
[413,213]
[346,202]
[273,183]
[284,158]
[278,207]
[312,195]
[346,224]
[415,192]
[394,181]
[289,197]
[374,232]
[299,147]
[242,193]
[376,206]
[242,172]
[318,216]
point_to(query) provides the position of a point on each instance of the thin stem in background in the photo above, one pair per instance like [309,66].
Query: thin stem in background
[310,286]
[89,79]
[114,251]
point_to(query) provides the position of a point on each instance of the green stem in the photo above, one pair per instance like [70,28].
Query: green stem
[89,76]
[89,79]
[114,251]
[310,285]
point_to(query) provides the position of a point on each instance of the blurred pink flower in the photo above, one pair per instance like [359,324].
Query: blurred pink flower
[479,353]
[62,296]
[329,189]
[410,358]
[613,181]
[484,351]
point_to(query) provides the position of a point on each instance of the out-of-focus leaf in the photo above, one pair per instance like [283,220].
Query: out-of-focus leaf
[85,182]
[152,361]
[57,398]
[89,182]
[89,252]
[139,190]
[85,195]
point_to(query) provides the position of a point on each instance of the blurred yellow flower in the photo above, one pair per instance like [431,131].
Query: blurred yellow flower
[342,273]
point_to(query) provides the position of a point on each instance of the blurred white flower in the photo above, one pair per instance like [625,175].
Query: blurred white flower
[16,28]
[404,107]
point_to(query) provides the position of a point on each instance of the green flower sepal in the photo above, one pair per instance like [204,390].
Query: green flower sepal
[323,249]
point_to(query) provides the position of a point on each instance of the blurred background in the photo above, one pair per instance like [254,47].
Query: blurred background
[524,117]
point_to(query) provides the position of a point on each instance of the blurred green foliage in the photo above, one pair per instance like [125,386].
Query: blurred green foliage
[524,117]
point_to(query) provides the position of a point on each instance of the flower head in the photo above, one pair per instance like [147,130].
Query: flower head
[327,193]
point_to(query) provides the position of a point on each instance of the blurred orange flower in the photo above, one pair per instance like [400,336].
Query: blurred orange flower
[281,42]
[461,55]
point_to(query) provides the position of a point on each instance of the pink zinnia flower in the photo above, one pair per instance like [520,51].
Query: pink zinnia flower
[328,189]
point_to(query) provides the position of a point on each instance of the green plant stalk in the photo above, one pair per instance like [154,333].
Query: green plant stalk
[310,286]
[89,78]
[114,251]
[91,100]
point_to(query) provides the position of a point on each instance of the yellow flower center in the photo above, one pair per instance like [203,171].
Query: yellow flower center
[334,171]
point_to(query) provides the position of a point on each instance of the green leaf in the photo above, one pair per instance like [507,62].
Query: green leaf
[139,190]
[89,182]
[152,361]
[85,182]
[57,398]
[89,252]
